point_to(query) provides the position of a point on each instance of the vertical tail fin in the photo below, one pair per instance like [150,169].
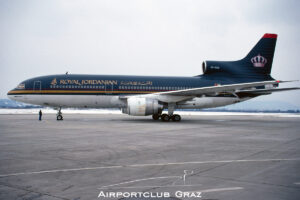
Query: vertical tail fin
[256,65]
[260,58]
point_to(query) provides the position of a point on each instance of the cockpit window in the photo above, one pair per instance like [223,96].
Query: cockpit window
[21,86]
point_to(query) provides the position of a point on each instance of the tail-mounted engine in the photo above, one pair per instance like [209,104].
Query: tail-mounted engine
[210,67]
[138,106]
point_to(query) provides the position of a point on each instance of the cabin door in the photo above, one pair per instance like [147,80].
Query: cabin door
[37,86]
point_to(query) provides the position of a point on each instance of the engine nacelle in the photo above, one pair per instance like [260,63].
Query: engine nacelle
[139,106]
[210,67]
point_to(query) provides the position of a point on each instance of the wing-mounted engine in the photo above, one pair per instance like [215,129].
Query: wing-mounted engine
[139,106]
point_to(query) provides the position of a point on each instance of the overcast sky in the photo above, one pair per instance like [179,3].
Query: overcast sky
[137,37]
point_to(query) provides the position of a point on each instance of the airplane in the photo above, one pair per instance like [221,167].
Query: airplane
[222,83]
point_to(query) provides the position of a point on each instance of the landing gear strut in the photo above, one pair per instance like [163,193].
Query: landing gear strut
[170,115]
[59,115]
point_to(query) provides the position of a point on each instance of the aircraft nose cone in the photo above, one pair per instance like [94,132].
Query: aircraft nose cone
[15,96]
[10,95]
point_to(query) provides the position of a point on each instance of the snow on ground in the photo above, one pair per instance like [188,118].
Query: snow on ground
[64,111]
[107,111]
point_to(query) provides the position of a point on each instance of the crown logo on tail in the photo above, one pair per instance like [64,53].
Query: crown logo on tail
[258,61]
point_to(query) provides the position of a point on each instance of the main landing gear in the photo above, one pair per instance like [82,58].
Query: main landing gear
[169,116]
[166,117]
[59,115]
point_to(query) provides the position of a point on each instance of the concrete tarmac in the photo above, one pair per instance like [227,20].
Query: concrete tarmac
[86,156]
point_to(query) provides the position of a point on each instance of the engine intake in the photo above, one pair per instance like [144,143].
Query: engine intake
[210,67]
[138,106]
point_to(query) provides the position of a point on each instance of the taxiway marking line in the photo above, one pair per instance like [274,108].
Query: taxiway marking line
[138,180]
[147,165]
[220,189]
[156,186]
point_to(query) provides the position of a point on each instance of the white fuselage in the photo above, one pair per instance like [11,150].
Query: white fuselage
[114,101]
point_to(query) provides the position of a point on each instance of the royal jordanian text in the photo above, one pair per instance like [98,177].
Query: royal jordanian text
[97,82]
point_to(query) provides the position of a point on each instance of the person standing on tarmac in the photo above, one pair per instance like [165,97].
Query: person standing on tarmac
[40,115]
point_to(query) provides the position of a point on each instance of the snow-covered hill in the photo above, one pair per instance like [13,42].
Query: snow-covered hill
[7,103]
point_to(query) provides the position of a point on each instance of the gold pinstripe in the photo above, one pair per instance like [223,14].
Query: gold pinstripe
[83,92]
[73,91]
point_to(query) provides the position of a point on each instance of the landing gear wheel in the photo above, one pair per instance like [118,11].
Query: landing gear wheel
[59,117]
[155,117]
[176,118]
[165,118]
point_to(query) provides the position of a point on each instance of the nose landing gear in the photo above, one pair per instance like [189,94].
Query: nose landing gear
[59,115]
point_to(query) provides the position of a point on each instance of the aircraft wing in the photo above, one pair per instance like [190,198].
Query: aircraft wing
[217,88]
[266,91]
[181,95]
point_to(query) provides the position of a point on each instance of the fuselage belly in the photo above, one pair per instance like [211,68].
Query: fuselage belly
[106,101]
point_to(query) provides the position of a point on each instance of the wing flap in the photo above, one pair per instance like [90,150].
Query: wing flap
[267,91]
[216,89]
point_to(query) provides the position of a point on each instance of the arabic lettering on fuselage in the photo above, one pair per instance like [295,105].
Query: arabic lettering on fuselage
[136,83]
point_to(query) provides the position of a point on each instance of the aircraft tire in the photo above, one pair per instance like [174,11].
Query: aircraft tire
[176,118]
[165,118]
[155,117]
[59,117]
